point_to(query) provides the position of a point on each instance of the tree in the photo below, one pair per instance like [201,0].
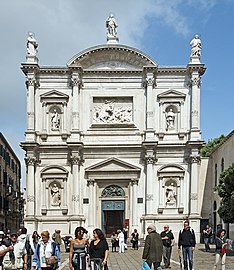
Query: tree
[226,192]
[210,146]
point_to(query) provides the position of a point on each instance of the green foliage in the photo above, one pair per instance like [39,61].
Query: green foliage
[208,148]
[226,192]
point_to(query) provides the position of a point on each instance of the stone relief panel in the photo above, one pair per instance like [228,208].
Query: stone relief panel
[113,191]
[113,110]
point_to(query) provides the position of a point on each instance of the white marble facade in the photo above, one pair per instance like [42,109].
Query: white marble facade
[111,134]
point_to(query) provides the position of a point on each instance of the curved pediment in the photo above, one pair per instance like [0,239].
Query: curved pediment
[114,57]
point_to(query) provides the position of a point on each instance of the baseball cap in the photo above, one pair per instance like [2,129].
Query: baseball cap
[13,232]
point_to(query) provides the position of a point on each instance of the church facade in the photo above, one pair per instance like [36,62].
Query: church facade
[113,141]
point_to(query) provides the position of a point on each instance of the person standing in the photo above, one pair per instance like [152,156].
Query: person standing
[44,250]
[135,239]
[187,241]
[120,238]
[15,254]
[78,250]
[57,238]
[153,248]
[167,239]
[207,233]
[220,248]
[114,241]
[99,250]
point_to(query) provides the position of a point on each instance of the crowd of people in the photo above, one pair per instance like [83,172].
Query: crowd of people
[20,250]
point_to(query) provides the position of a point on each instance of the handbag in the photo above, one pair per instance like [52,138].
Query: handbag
[145,266]
[52,260]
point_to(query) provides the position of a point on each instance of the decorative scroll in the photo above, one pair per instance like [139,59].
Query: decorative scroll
[113,191]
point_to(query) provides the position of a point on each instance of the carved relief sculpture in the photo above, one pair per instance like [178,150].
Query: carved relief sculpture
[55,194]
[55,120]
[113,191]
[111,112]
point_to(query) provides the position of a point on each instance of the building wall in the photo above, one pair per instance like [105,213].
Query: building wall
[10,195]
[98,135]
[221,158]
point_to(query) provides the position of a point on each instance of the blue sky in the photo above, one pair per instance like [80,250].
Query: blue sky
[162,29]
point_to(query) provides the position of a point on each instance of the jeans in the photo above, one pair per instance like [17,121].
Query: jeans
[187,254]
[207,242]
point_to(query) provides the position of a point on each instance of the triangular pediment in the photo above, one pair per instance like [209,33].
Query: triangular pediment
[114,57]
[112,165]
[54,95]
[171,94]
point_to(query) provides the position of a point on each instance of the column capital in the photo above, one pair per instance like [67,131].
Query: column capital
[76,160]
[134,181]
[76,80]
[30,161]
[90,182]
[194,159]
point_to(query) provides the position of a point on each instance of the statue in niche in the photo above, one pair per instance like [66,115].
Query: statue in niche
[55,120]
[111,26]
[171,193]
[55,194]
[170,118]
[195,46]
[31,45]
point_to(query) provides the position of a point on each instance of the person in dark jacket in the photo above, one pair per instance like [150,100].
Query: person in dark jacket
[153,248]
[187,241]
[167,239]
[220,248]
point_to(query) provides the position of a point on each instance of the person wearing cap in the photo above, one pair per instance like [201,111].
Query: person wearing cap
[167,239]
[153,248]
[15,255]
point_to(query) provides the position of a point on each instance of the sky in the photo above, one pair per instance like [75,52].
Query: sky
[162,29]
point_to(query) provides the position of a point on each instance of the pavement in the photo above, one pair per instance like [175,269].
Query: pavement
[131,259]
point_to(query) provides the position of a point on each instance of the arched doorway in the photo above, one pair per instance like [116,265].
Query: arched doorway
[113,209]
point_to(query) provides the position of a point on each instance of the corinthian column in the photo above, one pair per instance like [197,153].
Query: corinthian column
[92,203]
[75,161]
[150,160]
[30,185]
[134,204]
[76,82]
[194,180]
[150,82]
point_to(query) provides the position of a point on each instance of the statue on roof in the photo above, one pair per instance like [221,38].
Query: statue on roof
[111,26]
[196,47]
[31,45]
